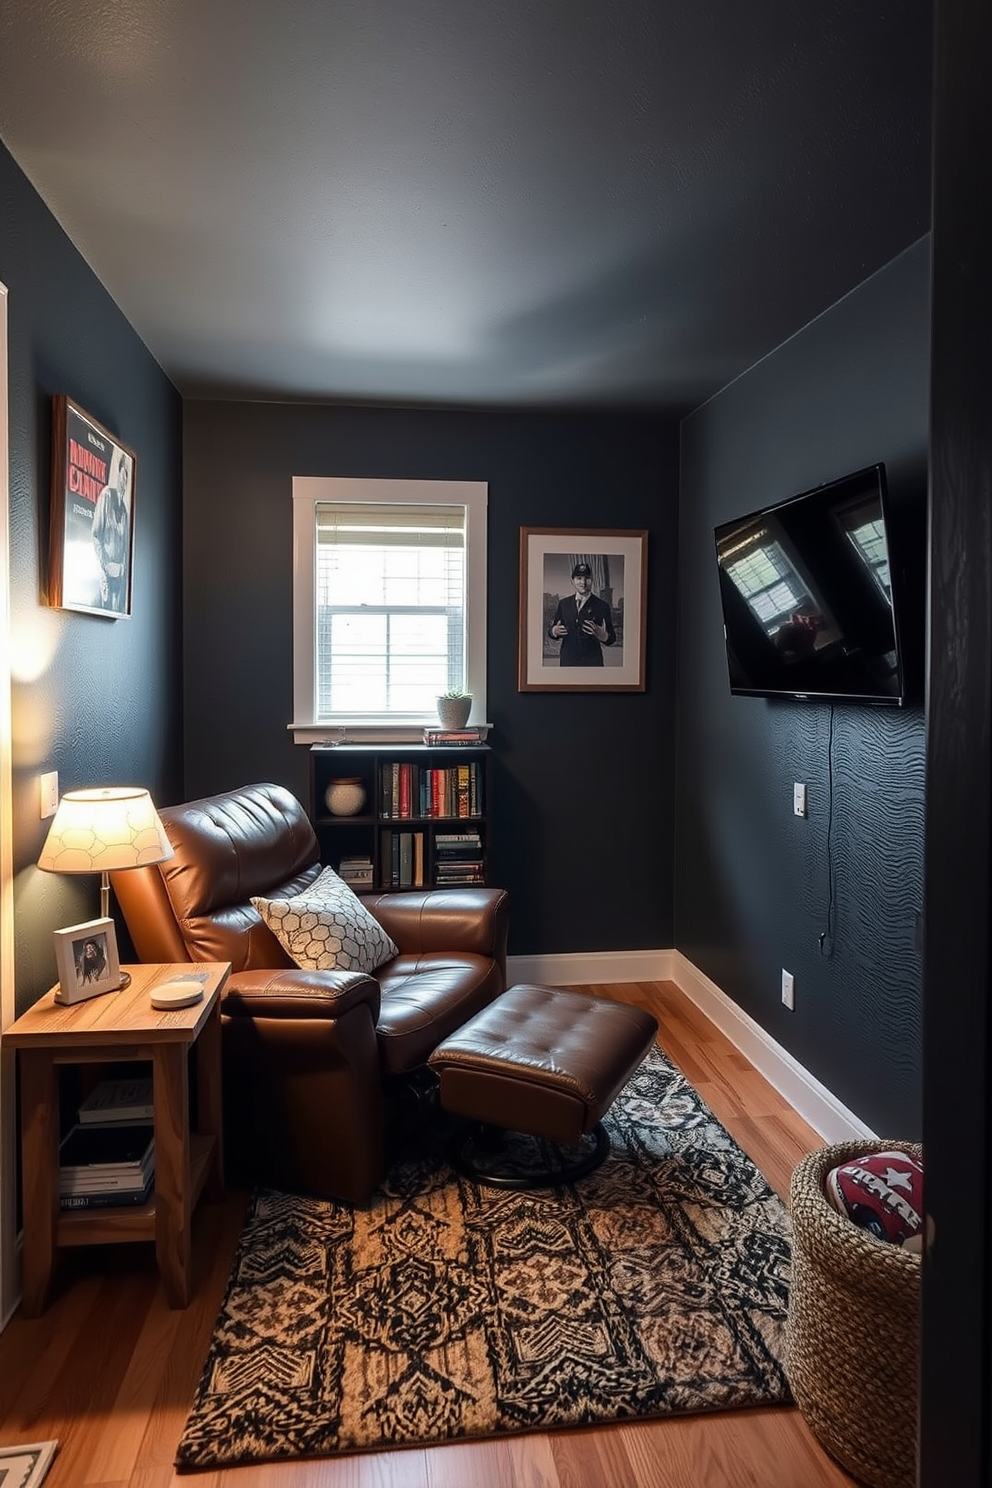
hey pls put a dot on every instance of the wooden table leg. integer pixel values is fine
(173, 1249)
(209, 1112)
(40, 1176)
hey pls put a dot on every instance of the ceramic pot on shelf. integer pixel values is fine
(453, 711)
(345, 797)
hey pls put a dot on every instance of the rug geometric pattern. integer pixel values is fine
(656, 1285)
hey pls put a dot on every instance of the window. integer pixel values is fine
(389, 603)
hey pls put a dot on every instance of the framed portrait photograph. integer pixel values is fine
(583, 613)
(91, 541)
(87, 960)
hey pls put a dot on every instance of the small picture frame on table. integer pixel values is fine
(26, 1466)
(87, 961)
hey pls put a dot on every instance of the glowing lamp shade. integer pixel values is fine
(103, 830)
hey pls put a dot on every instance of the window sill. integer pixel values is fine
(359, 733)
(366, 733)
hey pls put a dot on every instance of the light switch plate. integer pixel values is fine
(788, 990)
(48, 788)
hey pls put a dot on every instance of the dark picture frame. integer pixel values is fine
(558, 650)
(91, 538)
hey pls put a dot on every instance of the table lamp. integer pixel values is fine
(101, 831)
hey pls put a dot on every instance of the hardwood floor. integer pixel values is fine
(110, 1371)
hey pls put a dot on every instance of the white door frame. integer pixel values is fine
(9, 1287)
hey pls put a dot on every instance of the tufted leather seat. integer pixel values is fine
(308, 1054)
(543, 1060)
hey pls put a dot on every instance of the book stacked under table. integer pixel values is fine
(108, 1158)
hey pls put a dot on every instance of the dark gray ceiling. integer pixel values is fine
(472, 201)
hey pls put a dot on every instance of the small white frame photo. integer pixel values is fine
(87, 961)
(25, 1467)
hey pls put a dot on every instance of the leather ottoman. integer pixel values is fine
(542, 1061)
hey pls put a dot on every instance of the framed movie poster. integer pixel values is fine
(583, 612)
(91, 544)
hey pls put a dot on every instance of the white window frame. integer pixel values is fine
(308, 491)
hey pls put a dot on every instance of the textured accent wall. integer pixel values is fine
(95, 699)
(583, 812)
(754, 884)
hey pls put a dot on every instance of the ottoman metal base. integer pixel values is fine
(485, 1154)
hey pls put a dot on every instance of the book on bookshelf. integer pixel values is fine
(118, 1101)
(465, 841)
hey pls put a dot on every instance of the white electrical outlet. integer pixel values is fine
(48, 793)
(799, 800)
(788, 990)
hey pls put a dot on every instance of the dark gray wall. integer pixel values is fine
(98, 700)
(583, 783)
(752, 882)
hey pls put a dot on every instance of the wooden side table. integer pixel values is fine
(123, 1026)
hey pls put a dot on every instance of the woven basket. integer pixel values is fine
(852, 1338)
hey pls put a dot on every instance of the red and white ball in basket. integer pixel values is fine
(882, 1193)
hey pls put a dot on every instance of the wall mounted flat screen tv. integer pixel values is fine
(810, 609)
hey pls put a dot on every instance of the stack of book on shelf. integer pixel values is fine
(447, 737)
(108, 1157)
(403, 860)
(356, 871)
(458, 858)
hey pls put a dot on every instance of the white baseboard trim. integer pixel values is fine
(828, 1116)
(581, 968)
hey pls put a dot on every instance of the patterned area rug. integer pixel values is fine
(658, 1284)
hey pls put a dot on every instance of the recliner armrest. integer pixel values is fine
(291, 993)
(466, 919)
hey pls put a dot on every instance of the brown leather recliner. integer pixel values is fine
(308, 1055)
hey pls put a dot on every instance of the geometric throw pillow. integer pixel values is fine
(326, 927)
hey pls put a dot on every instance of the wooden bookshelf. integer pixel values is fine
(424, 821)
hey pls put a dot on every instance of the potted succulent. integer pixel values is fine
(453, 708)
